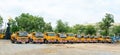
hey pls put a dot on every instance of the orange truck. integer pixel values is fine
(36, 37)
(19, 37)
(50, 37)
(71, 38)
(61, 38)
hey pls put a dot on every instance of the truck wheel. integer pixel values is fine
(18, 42)
(12, 41)
(45, 41)
(26, 42)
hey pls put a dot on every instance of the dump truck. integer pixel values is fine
(71, 38)
(61, 38)
(36, 37)
(19, 37)
(50, 37)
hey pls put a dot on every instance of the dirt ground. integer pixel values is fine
(7, 48)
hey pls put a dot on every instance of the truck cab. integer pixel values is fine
(62, 38)
(19, 37)
(50, 37)
(71, 38)
(36, 37)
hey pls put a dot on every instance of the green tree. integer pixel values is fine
(116, 30)
(1, 21)
(78, 28)
(48, 27)
(30, 23)
(13, 26)
(62, 27)
(89, 29)
(106, 23)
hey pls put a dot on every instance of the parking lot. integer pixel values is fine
(7, 48)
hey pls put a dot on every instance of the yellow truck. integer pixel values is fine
(101, 39)
(2, 34)
(36, 37)
(50, 37)
(19, 37)
(71, 38)
(61, 38)
(108, 39)
(94, 39)
(78, 38)
(89, 39)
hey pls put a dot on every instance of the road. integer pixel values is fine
(7, 48)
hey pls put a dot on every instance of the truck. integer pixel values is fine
(36, 37)
(20, 37)
(101, 39)
(50, 37)
(71, 38)
(61, 38)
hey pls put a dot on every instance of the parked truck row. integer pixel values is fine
(52, 37)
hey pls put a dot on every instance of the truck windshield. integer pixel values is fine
(39, 34)
(23, 34)
(71, 35)
(51, 34)
(78, 36)
(62, 36)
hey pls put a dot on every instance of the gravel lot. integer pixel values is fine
(7, 48)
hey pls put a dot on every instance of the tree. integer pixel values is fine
(62, 27)
(89, 29)
(116, 30)
(1, 21)
(78, 28)
(30, 23)
(48, 27)
(106, 23)
(13, 25)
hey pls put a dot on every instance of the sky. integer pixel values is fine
(71, 11)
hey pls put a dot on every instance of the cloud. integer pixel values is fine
(71, 11)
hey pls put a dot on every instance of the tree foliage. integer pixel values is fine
(106, 23)
(48, 27)
(1, 21)
(89, 29)
(78, 28)
(116, 30)
(62, 27)
(30, 23)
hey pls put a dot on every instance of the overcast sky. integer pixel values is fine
(71, 11)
